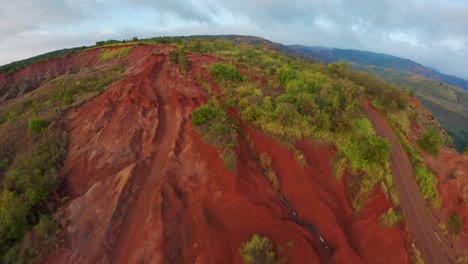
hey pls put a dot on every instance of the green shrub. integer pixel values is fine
(455, 224)
(366, 157)
(215, 126)
(217, 129)
(37, 125)
(218, 134)
(174, 56)
(390, 218)
(222, 72)
(430, 141)
(443, 228)
(206, 113)
(377, 149)
(258, 249)
(417, 256)
(424, 177)
(285, 75)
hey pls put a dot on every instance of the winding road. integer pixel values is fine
(412, 203)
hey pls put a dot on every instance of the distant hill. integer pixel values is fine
(378, 59)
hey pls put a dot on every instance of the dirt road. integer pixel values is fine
(418, 218)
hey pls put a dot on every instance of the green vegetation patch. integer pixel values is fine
(430, 141)
(14, 111)
(37, 125)
(219, 130)
(222, 72)
(115, 53)
(10, 115)
(68, 88)
(390, 218)
(259, 249)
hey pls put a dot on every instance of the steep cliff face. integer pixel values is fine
(143, 187)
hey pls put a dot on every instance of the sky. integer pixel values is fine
(431, 32)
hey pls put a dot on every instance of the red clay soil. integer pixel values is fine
(144, 188)
(322, 201)
(419, 220)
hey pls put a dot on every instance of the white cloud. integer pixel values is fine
(430, 32)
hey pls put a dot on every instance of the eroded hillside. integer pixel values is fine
(146, 180)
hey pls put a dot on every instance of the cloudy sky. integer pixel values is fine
(431, 32)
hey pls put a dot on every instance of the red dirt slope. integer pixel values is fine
(144, 188)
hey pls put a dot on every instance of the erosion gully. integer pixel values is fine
(312, 229)
(293, 213)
